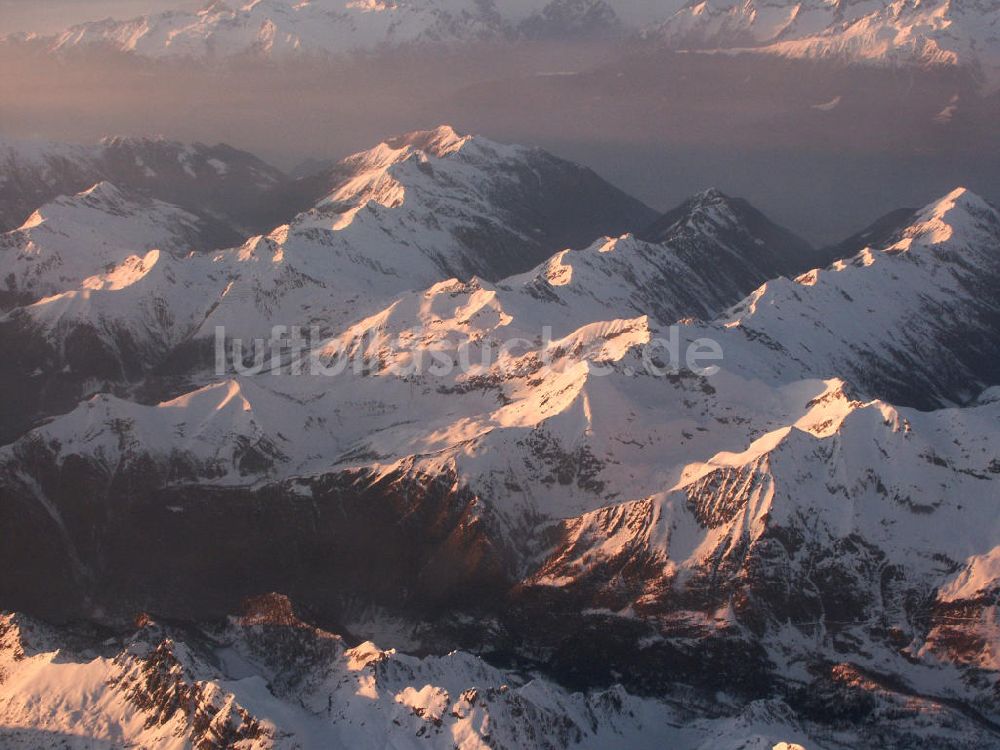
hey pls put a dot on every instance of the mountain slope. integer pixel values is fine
(95, 287)
(839, 541)
(404, 215)
(412, 211)
(381, 230)
(795, 544)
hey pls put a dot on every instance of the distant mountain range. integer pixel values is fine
(909, 32)
(797, 545)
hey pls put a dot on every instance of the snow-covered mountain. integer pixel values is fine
(732, 243)
(528, 467)
(472, 206)
(912, 319)
(408, 213)
(936, 275)
(527, 444)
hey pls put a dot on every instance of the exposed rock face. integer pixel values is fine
(143, 538)
(253, 682)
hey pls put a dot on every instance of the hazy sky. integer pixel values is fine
(53, 15)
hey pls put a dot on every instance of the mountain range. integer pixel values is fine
(915, 32)
(521, 476)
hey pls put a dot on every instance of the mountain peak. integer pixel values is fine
(439, 141)
(104, 237)
(269, 609)
(103, 191)
(727, 238)
(925, 33)
(714, 207)
(709, 195)
(713, 211)
(962, 199)
(959, 214)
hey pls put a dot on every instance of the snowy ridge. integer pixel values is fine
(473, 206)
(691, 263)
(911, 32)
(511, 405)
(870, 471)
(547, 389)
(925, 335)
